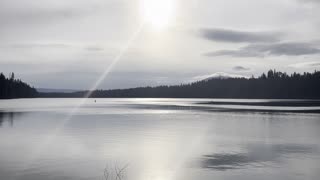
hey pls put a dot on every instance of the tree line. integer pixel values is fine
(273, 84)
(15, 88)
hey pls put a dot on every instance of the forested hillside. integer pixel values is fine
(15, 88)
(273, 85)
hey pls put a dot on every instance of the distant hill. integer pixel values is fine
(47, 90)
(273, 85)
(221, 75)
(15, 88)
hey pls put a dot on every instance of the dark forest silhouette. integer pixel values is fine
(273, 85)
(15, 88)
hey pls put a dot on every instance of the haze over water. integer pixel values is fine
(157, 139)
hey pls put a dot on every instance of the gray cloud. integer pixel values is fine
(240, 68)
(16, 12)
(38, 15)
(309, 1)
(234, 53)
(50, 45)
(276, 49)
(305, 65)
(37, 45)
(94, 48)
(233, 36)
(290, 49)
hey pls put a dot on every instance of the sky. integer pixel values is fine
(129, 43)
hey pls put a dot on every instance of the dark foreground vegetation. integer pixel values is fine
(273, 85)
(15, 88)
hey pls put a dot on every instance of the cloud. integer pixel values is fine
(233, 36)
(305, 65)
(234, 53)
(310, 1)
(94, 48)
(29, 13)
(51, 45)
(240, 68)
(290, 49)
(36, 16)
(275, 49)
(37, 45)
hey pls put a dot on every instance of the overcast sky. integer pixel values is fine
(69, 44)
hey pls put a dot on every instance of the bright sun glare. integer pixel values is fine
(157, 13)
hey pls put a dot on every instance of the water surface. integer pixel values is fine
(157, 139)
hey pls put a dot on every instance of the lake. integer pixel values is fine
(157, 139)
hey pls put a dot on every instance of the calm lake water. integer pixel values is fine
(156, 139)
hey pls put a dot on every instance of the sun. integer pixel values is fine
(157, 13)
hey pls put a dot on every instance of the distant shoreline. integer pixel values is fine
(273, 85)
(43, 96)
(294, 103)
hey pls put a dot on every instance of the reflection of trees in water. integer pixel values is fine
(8, 117)
(256, 155)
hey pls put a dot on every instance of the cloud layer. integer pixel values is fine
(240, 68)
(310, 1)
(312, 64)
(234, 36)
(273, 49)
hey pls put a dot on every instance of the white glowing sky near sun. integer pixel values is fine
(157, 13)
